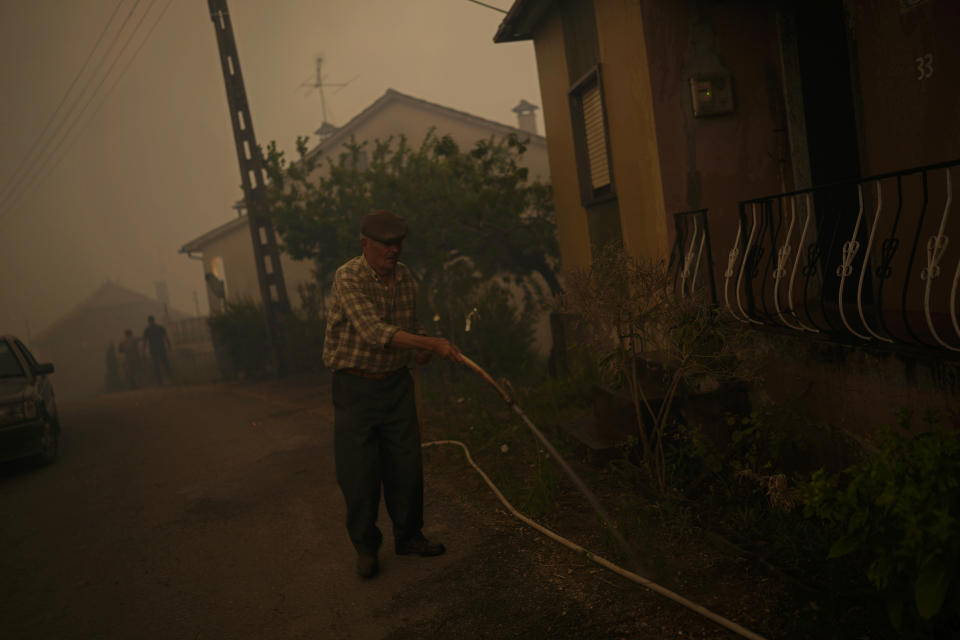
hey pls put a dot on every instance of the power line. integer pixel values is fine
(488, 6)
(63, 100)
(53, 155)
(117, 79)
(36, 170)
(130, 60)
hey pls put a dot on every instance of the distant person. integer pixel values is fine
(155, 338)
(130, 348)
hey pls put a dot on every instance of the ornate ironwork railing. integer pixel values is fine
(859, 260)
(691, 260)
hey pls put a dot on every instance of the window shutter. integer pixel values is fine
(590, 139)
(596, 136)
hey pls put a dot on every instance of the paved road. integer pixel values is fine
(193, 512)
(213, 512)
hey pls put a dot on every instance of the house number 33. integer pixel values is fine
(924, 66)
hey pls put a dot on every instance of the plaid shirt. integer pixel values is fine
(364, 314)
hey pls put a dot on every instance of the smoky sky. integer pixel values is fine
(135, 165)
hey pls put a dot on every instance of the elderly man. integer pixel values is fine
(372, 332)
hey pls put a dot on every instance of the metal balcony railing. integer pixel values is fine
(691, 260)
(860, 261)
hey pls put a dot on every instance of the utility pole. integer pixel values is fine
(273, 290)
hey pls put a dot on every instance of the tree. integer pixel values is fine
(474, 215)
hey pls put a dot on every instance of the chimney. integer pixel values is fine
(526, 118)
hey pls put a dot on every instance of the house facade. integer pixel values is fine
(226, 252)
(796, 159)
(229, 269)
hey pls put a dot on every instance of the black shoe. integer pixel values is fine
(367, 564)
(418, 545)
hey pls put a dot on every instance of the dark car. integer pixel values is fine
(29, 426)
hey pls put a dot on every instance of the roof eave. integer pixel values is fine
(522, 20)
(197, 244)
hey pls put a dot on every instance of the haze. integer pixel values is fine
(152, 164)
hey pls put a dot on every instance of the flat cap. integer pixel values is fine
(384, 226)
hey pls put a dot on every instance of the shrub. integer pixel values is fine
(501, 334)
(240, 338)
(491, 323)
(304, 332)
(629, 315)
(898, 513)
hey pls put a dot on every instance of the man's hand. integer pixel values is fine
(427, 346)
(446, 349)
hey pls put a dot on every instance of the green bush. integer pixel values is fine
(501, 335)
(240, 338)
(240, 335)
(304, 331)
(488, 323)
(898, 513)
(629, 316)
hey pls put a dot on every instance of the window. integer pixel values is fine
(26, 354)
(9, 363)
(216, 284)
(591, 139)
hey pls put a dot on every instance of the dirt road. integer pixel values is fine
(213, 512)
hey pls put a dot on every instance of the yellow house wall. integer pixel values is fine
(633, 137)
(664, 160)
(630, 117)
(572, 231)
(236, 250)
(240, 275)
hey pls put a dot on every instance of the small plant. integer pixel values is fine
(631, 317)
(899, 512)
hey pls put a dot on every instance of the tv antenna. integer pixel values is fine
(320, 84)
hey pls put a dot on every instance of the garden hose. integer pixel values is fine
(591, 498)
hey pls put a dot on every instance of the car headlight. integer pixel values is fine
(12, 413)
(18, 412)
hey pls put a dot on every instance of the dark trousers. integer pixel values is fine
(377, 442)
(161, 365)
